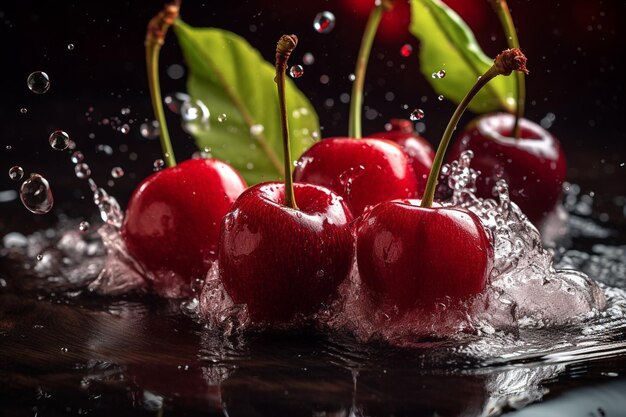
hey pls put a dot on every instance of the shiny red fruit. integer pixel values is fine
(533, 166)
(285, 262)
(421, 154)
(363, 171)
(409, 256)
(173, 219)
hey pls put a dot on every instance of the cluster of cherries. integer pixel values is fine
(284, 249)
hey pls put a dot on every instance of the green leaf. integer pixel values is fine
(232, 78)
(449, 44)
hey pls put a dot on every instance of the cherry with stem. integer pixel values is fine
(356, 101)
(504, 14)
(155, 37)
(506, 62)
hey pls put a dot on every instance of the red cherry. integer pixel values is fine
(533, 165)
(421, 154)
(364, 171)
(173, 218)
(284, 262)
(411, 256)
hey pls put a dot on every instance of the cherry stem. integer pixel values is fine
(508, 61)
(504, 14)
(285, 46)
(356, 100)
(155, 37)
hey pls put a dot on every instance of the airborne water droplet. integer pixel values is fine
(324, 22)
(440, 98)
(23, 110)
(117, 172)
(158, 164)
(439, 74)
(82, 171)
(70, 47)
(417, 114)
(195, 115)
(308, 59)
(256, 130)
(406, 50)
(16, 173)
(59, 140)
(221, 117)
(175, 101)
(36, 194)
(149, 130)
(296, 71)
(125, 129)
(38, 82)
(77, 157)
(84, 226)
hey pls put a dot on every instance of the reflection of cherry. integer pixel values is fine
(533, 165)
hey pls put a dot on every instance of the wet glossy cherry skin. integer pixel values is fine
(421, 153)
(283, 262)
(173, 219)
(534, 165)
(412, 257)
(363, 171)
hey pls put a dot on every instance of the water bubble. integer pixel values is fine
(296, 71)
(105, 149)
(82, 171)
(439, 74)
(77, 157)
(125, 111)
(175, 101)
(158, 165)
(39, 256)
(324, 22)
(16, 173)
(70, 46)
(38, 82)
(308, 59)
(23, 110)
(59, 140)
(84, 226)
(195, 115)
(36, 194)
(257, 129)
(221, 117)
(149, 130)
(417, 114)
(117, 172)
(125, 129)
(406, 50)
(440, 97)
(352, 77)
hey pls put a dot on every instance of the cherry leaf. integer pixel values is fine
(233, 80)
(448, 44)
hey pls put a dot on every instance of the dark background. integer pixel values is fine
(575, 51)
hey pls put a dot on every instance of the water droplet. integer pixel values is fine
(158, 164)
(417, 114)
(149, 130)
(77, 157)
(105, 149)
(308, 59)
(16, 173)
(221, 117)
(59, 140)
(125, 129)
(70, 46)
(440, 97)
(439, 74)
(82, 171)
(296, 71)
(84, 226)
(117, 172)
(324, 22)
(256, 130)
(39, 256)
(23, 110)
(175, 101)
(125, 111)
(352, 77)
(38, 82)
(36, 194)
(195, 115)
(406, 50)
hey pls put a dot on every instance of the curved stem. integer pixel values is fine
(504, 14)
(152, 61)
(431, 184)
(356, 99)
